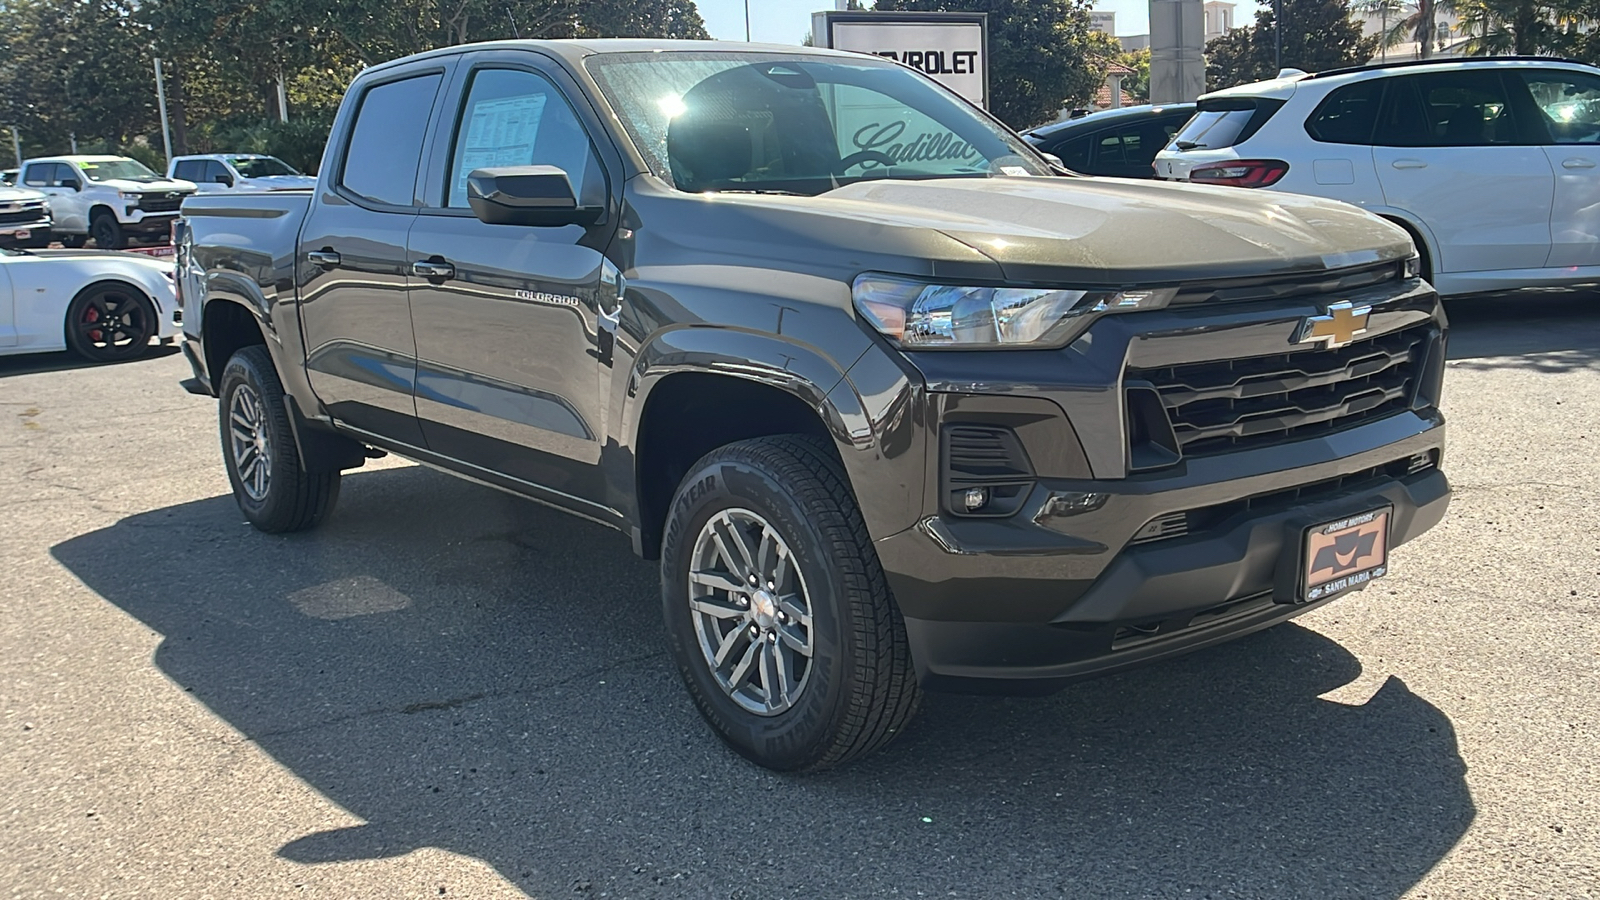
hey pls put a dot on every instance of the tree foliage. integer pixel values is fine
(84, 68)
(1317, 35)
(1042, 54)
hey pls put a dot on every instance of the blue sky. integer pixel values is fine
(787, 21)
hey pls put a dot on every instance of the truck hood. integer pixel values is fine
(18, 195)
(151, 186)
(1117, 231)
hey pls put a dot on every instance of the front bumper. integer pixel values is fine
(11, 232)
(995, 609)
(143, 222)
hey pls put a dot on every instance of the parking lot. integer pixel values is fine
(447, 691)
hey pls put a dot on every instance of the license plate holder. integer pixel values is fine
(1343, 555)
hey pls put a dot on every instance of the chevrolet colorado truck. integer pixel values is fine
(897, 405)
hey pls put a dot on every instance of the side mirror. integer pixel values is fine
(70, 183)
(226, 180)
(526, 195)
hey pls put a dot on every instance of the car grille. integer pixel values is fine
(1281, 287)
(159, 203)
(1230, 405)
(22, 216)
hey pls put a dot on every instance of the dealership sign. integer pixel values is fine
(952, 48)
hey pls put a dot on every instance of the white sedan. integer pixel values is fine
(103, 306)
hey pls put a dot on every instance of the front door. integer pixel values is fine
(8, 308)
(361, 356)
(1566, 105)
(1455, 154)
(509, 337)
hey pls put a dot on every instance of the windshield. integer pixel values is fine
(121, 169)
(260, 166)
(793, 123)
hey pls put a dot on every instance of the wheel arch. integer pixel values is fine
(687, 382)
(1421, 235)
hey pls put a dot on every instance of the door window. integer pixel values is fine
(189, 170)
(217, 173)
(517, 118)
(1074, 153)
(1449, 109)
(40, 175)
(380, 163)
(1347, 115)
(1568, 103)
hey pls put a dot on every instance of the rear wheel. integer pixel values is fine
(107, 232)
(777, 610)
(110, 322)
(73, 241)
(270, 483)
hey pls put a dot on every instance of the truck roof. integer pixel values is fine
(80, 158)
(575, 50)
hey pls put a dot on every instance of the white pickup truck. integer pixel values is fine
(238, 172)
(108, 198)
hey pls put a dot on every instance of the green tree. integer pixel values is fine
(1137, 85)
(1042, 55)
(1317, 35)
(1524, 27)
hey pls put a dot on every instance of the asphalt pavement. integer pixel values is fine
(449, 692)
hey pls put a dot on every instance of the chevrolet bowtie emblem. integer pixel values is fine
(1343, 324)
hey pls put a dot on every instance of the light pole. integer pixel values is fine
(161, 99)
(747, 21)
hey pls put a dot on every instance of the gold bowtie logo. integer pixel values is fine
(1341, 326)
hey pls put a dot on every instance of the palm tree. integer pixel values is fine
(1411, 22)
(1520, 27)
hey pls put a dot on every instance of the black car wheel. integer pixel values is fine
(779, 616)
(107, 232)
(270, 484)
(110, 322)
(73, 241)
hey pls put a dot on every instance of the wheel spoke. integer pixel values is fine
(744, 562)
(780, 572)
(780, 667)
(766, 553)
(790, 604)
(741, 672)
(719, 581)
(261, 475)
(247, 469)
(797, 640)
(770, 683)
(717, 609)
(733, 639)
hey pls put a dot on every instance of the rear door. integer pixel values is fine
(511, 321)
(1129, 150)
(1565, 105)
(62, 185)
(1453, 151)
(361, 355)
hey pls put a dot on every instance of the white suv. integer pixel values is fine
(1492, 165)
(107, 198)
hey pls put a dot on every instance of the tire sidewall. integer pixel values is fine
(108, 223)
(796, 737)
(244, 369)
(147, 309)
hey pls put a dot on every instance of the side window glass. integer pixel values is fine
(517, 118)
(40, 175)
(184, 169)
(1347, 115)
(1075, 153)
(216, 170)
(1568, 103)
(380, 164)
(1108, 150)
(1457, 109)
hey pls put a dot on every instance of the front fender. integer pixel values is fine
(875, 435)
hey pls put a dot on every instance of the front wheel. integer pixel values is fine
(107, 232)
(74, 241)
(777, 609)
(270, 484)
(110, 322)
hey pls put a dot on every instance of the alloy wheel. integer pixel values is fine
(249, 442)
(751, 612)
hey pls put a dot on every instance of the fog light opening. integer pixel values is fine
(975, 499)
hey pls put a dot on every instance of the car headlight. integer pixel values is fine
(129, 195)
(1413, 267)
(922, 316)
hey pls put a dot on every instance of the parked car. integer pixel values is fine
(238, 172)
(9, 176)
(111, 199)
(895, 407)
(1121, 143)
(24, 218)
(102, 306)
(1492, 165)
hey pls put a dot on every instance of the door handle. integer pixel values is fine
(1409, 164)
(325, 258)
(1577, 162)
(433, 268)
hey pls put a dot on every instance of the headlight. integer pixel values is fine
(129, 195)
(920, 316)
(1413, 267)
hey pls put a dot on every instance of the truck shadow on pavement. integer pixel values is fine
(1540, 331)
(464, 670)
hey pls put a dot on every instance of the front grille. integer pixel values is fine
(22, 217)
(158, 203)
(1282, 287)
(1229, 405)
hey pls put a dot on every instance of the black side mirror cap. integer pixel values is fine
(526, 195)
(224, 179)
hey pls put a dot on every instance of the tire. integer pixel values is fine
(107, 232)
(73, 241)
(277, 494)
(38, 240)
(110, 321)
(858, 689)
